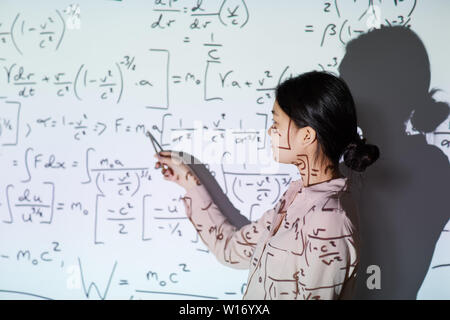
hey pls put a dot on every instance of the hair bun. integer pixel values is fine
(358, 155)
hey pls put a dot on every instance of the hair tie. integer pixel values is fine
(361, 141)
(356, 143)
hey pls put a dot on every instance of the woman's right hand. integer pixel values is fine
(175, 170)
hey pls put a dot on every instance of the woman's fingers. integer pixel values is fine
(164, 158)
(170, 158)
(166, 171)
(161, 164)
(174, 156)
(165, 153)
(171, 165)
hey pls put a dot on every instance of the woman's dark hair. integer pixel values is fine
(323, 101)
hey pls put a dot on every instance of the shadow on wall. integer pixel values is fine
(403, 196)
(222, 201)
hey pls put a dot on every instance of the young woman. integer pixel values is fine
(307, 246)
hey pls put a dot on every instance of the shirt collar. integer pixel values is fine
(338, 184)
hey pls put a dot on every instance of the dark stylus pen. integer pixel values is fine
(157, 147)
(155, 143)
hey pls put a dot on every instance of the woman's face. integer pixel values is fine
(289, 144)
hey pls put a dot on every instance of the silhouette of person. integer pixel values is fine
(403, 198)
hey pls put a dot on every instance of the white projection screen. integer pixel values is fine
(83, 212)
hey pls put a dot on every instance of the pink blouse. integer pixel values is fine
(306, 247)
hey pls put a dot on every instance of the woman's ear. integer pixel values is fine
(308, 135)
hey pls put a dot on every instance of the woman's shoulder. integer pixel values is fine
(334, 206)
